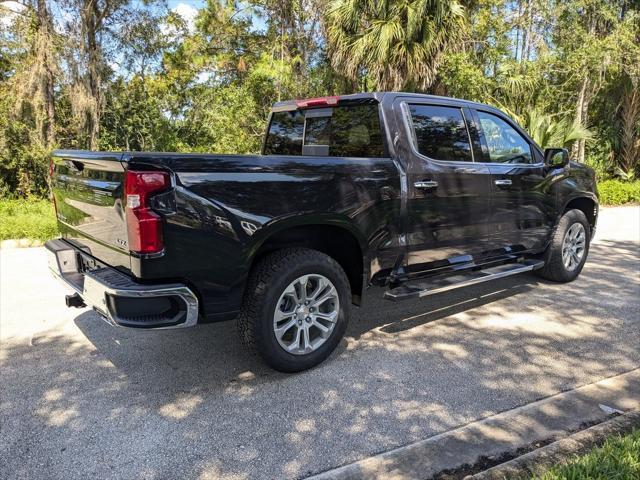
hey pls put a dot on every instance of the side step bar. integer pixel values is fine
(442, 283)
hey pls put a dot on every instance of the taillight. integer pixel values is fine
(144, 226)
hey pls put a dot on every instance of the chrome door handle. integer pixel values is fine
(502, 183)
(427, 184)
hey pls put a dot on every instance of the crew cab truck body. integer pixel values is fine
(413, 192)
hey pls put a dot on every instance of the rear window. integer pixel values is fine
(350, 131)
(440, 132)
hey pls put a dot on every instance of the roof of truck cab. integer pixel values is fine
(377, 96)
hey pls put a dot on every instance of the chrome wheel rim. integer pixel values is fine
(306, 314)
(573, 246)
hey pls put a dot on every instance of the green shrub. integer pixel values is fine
(616, 192)
(601, 164)
(33, 219)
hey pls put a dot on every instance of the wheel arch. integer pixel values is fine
(587, 204)
(336, 237)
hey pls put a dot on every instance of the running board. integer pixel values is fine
(442, 283)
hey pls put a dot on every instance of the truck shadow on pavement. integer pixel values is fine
(193, 403)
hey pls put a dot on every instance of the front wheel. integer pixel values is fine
(296, 308)
(567, 253)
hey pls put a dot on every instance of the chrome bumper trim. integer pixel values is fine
(63, 263)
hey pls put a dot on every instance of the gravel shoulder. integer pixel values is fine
(80, 398)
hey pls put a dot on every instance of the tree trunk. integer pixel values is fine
(582, 105)
(518, 29)
(94, 76)
(629, 157)
(91, 17)
(526, 35)
(45, 32)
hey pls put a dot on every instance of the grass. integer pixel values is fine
(32, 219)
(617, 459)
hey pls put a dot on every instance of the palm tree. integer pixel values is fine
(547, 130)
(628, 156)
(397, 43)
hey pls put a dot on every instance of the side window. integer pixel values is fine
(504, 142)
(317, 132)
(440, 132)
(348, 131)
(285, 134)
(356, 132)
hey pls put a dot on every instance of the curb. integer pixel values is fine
(542, 459)
(500, 435)
(21, 243)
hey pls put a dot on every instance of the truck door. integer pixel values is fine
(523, 209)
(449, 195)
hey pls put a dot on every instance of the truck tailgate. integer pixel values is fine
(88, 189)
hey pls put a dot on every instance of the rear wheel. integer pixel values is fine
(567, 253)
(296, 308)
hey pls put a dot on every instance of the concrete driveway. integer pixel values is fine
(82, 399)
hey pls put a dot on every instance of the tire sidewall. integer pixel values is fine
(570, 218)
(267, 343)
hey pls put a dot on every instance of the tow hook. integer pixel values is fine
(74, 300)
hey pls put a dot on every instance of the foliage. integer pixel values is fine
(618, 458)
(133, 118)
(547, 130)
(23, 158)
(128, 75)
(208, 127)
(616, 192)
(27, 218)
(398, 44)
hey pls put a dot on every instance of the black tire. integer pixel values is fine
(267, 282)
(554, 268)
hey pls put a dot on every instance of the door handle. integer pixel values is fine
(426, 184)
(503, 183)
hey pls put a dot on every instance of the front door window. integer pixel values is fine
(505, 144)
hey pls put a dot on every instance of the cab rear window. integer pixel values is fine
(346, 131)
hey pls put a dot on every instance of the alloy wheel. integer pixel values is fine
(573, 246)
(306, 314)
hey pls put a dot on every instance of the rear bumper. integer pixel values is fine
(119, 299)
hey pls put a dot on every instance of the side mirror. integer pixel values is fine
(556, 157)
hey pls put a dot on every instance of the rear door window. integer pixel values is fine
(440, 132)
(345, 131)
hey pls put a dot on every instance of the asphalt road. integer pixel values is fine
(82, 399)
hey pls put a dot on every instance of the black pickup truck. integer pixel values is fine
(416, 193)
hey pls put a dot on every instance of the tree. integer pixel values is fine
(589, 35)
(29, 62)
(34, 79)
(87, 32)
(548, 130)
(123, 74)
(293, 35)
(398, 44)
(629, 152)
